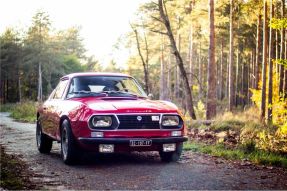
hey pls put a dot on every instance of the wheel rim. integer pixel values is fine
(64, 143)
(38, 135)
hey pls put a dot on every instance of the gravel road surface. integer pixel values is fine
(133, 171)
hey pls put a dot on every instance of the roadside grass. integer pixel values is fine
(25, 111)
(14, 175)
(256, 156)
(236, 121)
(6, 107)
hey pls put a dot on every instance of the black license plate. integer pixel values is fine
(140, 143)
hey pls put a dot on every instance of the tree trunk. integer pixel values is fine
(249, 79)
(221, 72)
(7, 91)
(165, 19)
(211, 75)
(231, 75)
(264, 62)
(281, 67)
(144, 62)
(285, 72)
(190, 57)
(168, 76)
(19, 87)
(237, 101)
(270, 68)
(252, 71)
(176, 84)
(227, 80)
(258, 47)
(277, 52)
(40, 86)
(241, 91)
(178, 79)
(162, 81)
(244, 84)
(147, 64)
(200, 68)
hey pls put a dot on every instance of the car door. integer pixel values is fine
(53, 109)
(45, 115)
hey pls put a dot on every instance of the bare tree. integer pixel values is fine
(166, 22)
(144, 60)
(211, 75)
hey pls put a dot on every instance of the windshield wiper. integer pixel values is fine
(121, 93)
(82, 93)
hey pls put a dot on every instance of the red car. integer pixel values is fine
(106, 113)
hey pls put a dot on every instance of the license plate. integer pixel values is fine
(140, 143)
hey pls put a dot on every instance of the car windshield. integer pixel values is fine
(113, 86)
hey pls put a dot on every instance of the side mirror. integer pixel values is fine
(150, 96)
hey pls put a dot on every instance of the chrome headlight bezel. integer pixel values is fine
(169, 121)
(102, 122)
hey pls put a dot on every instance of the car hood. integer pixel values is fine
(131, 105)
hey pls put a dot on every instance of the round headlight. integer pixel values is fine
(102, 121)
(170, 120)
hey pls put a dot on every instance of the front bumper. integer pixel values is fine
(162, 140)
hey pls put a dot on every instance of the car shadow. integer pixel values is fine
(118, 159)
(121, 158)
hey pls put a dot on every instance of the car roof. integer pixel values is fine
(69, 76)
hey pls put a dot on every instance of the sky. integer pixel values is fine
(102, 22)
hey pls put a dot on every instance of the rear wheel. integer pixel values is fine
(171, 156)
(44, 143)
(68, 145)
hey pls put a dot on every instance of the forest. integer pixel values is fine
(208, 57)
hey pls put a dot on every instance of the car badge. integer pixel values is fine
(139, 118)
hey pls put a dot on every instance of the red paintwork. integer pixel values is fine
(78, 111)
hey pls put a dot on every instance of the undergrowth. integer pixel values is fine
(256, 141)
(25, 111)
(256, 156)
(236, 121)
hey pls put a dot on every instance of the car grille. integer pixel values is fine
(132, 122)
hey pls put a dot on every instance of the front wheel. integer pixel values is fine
(44, 143)
(68, 145)
(171, 156)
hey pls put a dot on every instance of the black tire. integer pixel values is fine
(171, 156)
(69, 149)
(44, 143)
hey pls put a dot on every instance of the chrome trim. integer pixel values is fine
(103, 114)
(123, 130)
(161, 126)
(169, 114)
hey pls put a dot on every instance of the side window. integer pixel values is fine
(60, 89)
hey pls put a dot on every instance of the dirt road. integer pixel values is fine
(133, 171)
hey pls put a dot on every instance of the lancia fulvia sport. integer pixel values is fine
(107, 113)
